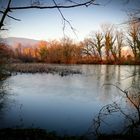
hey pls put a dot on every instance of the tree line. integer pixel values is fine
(102, 47)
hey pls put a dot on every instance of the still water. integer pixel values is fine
(66, 105)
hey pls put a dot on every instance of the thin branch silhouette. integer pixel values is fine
(38, 5)
(65, 21)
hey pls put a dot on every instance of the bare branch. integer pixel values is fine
(72, 1)
(5, 14)
(116, 87)
(37, 5)
(88, 3)
(1, 12)
(13, 18)
(64, 20)
(3, 29)
(127, 96)
(10, 16)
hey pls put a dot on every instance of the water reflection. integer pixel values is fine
(66, 104)
(3, 98)
(127, 108)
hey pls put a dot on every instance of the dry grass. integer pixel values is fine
(42, 68)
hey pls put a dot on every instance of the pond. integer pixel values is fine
(66, 105)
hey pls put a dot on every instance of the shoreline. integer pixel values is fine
(42, 134)
(60, 69)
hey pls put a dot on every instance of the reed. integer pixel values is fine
(42, 68)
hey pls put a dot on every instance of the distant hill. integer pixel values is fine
(12, 41)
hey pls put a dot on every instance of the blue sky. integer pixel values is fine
(47, 24)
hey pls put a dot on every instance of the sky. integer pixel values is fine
(47, 24)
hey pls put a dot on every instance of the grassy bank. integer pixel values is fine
(41, 134)
(42, 68)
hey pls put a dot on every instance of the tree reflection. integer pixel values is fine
(127, 109)
(3, 96)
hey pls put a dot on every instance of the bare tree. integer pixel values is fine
(134, 38)
(97, 42)
(67, 50)
(120, 43)
(109, 41)
(89, 48)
